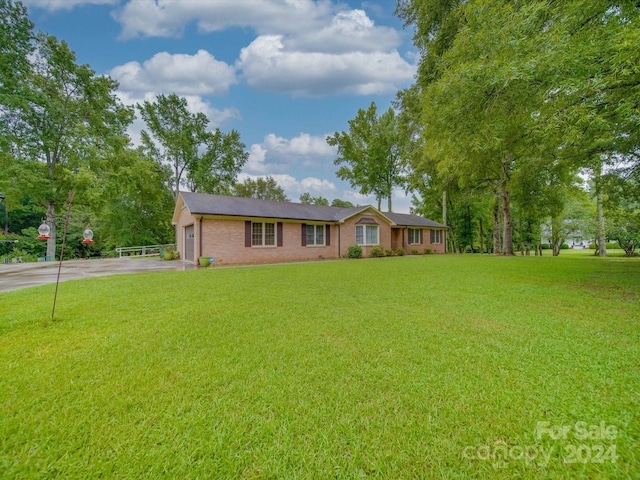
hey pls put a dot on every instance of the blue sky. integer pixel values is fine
(284, 73)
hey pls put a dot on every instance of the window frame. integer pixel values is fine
(416, 233)
(436, 237)
(264, 235)
(364, 236)
(316, 228)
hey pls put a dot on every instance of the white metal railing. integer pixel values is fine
(143, 250)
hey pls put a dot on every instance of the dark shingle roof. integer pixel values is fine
(406, 220)
(208, 204)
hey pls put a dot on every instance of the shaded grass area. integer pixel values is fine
(405, 367)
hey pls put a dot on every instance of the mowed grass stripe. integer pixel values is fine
(383, 368)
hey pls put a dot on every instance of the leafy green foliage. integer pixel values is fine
(354, 251)
(307, 199)
(265, 188)
(623, 211)
(63, 127)
(16, 36)
(514, 98)
(377, 251)
(208, 162)
(336, 202)
(370, 155)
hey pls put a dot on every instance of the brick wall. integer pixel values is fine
(224, 239)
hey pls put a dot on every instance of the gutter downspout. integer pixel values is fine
(200, 237)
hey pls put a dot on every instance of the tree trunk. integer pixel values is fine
(444, 215)
(601, 240)
(507, 233)
(507, 245)
(51, 221)
(496, 222)
(481, 236)
(557, 237)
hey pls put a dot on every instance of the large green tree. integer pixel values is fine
(370, 155)
(217, 168)
(16, 44)
(203, 160)
(66, 122)
(307, 199)
(133, 204)
(510, 90)
(265, 188)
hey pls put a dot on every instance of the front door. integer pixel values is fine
(189, 243)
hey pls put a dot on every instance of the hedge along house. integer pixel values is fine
(237, 230)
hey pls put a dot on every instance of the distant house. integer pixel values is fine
(237, 230)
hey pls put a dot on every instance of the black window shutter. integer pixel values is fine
(247, 233)
(421, 238)
(328, 236)
(279, 234)
(304, 234)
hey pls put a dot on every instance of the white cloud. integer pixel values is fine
(304, 48)
(167, 18)
(267, 65)
(189, 76)
(256, 162)
(348, 31)
(52, 5)
(277, 154)
(199, 74)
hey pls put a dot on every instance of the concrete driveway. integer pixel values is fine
(21, 275)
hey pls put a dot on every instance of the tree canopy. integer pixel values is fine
(370, 154)
(265, 188)
(205, 161)
(512, 96)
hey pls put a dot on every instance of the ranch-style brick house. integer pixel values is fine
(236, 230)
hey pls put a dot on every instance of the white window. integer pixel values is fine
(414, 236)
(367, 235)
(436, 236)
(315, 235)
(263, 234)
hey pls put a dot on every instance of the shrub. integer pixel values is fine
(168, 253)
(564, 246)
(23, 255)
(610, 245)
(545, 246)
(388, 252)
(427, 251)
(377, 251)
(354, 251)
(400, 251)
(414, 251)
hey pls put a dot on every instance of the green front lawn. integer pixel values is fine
(407, 367)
